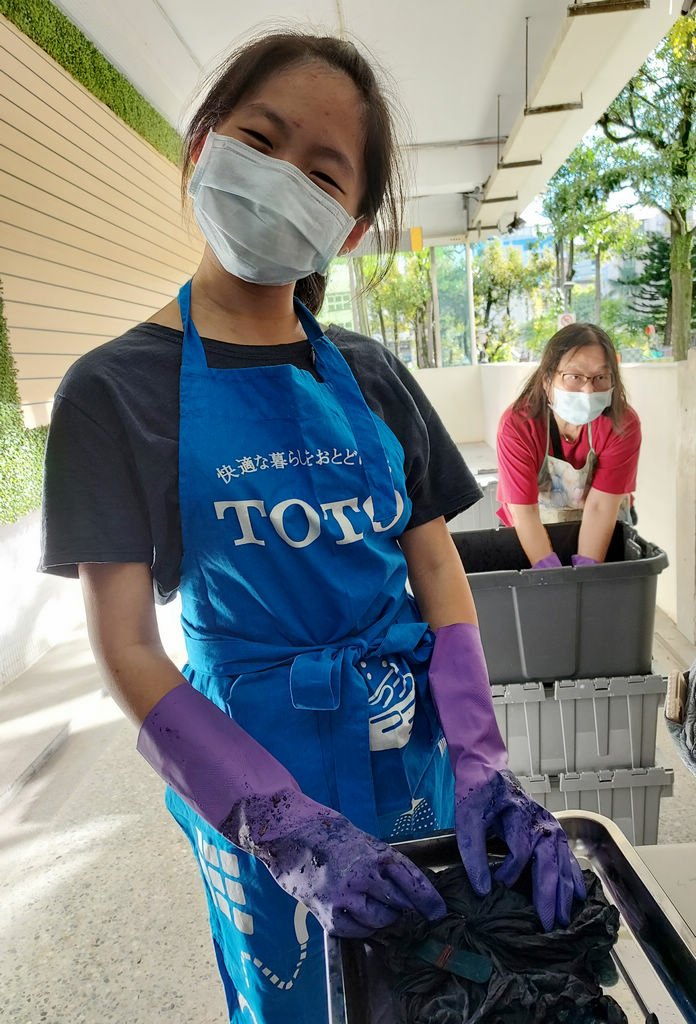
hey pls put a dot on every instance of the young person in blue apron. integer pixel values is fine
(288, 489)
(568, 448)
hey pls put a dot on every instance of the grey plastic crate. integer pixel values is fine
(567, 623)
(482, 515)
(579, 724)
(629, 796)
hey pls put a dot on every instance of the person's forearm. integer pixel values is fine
(124, 637)
(138, 677)
(437, 576)
(598, 523)
(531, 532)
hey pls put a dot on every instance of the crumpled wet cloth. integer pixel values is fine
(684, 734)
(535, 976)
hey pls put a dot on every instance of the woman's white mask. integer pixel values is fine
(264, 219)
(580, 407)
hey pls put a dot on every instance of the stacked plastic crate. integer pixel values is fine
(569, 654)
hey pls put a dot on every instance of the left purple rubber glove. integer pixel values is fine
(583, 560)
(352, 882)
(551, 561)
(489, 800)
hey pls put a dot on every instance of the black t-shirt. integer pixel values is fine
(111, 478)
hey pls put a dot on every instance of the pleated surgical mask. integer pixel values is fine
(264, 219)
(580, 407)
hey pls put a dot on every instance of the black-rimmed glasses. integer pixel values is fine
(577, 381)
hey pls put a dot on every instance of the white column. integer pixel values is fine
(686, 499)
(437, 337)
(470, 298)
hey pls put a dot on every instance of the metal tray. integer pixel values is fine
(655, 953)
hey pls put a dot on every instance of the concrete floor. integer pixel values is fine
(103, 917)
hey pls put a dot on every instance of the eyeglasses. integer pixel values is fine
(577, 381)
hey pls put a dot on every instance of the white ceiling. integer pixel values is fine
(449, 60)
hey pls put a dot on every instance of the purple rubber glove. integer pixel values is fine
(583, 560)
(551, 561)
(489, 799)
(351, 882)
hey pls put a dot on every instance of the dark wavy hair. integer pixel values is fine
(249, 66)
(533, 403)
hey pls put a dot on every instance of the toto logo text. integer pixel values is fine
(299, 524)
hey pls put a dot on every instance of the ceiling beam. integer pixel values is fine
(553, 108)
(606, 7)
(487, 140)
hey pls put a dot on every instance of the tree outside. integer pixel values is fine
(650, 126)
(400, 309)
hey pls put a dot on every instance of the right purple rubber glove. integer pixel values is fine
(489, 799)
(551, 561)
(580, 560)
(353, 883)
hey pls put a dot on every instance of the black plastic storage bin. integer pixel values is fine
(567, 623)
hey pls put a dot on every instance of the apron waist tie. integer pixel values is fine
(316, 679)
(317, 682)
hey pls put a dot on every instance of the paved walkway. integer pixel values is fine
(103, 915)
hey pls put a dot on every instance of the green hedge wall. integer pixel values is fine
(53, 32)
(10, 412)
(21, 450)
(21, 472)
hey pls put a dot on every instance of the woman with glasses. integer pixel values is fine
(568, 448)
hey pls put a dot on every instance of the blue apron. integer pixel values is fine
(298, 625)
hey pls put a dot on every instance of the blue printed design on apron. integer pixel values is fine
(298, 625)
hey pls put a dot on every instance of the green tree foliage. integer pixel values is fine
(575, 203)
(650, 286)
(454, 305)
(501, 274)
(399, 307)
(651, 126)
(613, 233)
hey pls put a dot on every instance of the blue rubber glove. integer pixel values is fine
(551, 561)
(583, 560)
(489, 800)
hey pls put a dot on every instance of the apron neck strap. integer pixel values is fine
(333, 369)
(553, 436)
(192, 351)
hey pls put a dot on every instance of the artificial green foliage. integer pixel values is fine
(21, 471)
(21, 450)
(53, 32)
(10, 412)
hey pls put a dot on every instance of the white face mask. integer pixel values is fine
(264, 219)
(580, 407)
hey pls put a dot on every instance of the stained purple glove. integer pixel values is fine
(551, 561)
(353, 883)
(489, 799)
(583, 560)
